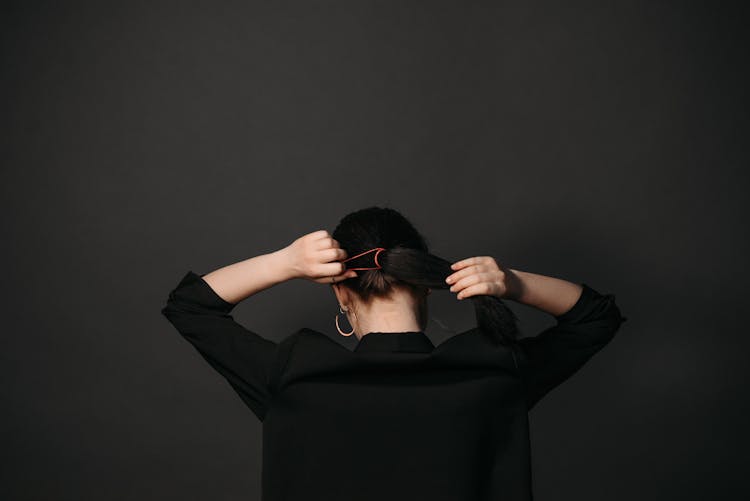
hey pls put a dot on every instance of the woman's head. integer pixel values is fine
(408, 270)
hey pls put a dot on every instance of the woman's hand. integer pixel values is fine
(316, 256)
(482, 275)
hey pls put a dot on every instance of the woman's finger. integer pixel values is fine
(330, 269)
(331, 254)
(465, 262)
(318, 235)
(326, 242)
(479, 289)
(479, 260)
(464, 272)
(468, 281)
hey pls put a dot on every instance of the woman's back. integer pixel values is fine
(395, 414)
(397, 417)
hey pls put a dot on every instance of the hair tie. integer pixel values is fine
(377, 265)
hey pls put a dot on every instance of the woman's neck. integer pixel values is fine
(394, 314)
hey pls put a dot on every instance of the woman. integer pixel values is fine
(396, 418)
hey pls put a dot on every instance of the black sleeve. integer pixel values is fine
(244, 358)
(554, 355)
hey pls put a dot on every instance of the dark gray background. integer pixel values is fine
(601, 142)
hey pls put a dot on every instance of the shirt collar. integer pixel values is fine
(409, 341)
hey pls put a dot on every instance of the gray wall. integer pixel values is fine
(602, 142)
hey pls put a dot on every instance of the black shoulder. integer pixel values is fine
(306, 333)
(306, 345)
(305, 339)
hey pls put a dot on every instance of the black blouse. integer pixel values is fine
(397, 418)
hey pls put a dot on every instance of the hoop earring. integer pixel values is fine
(339, 328)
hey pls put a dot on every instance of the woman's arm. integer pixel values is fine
(484, 275)
(586, 320)
(240, 280)
(313, 256)
(555, 354)
(245, 358)
(548, 294)
(200, 306)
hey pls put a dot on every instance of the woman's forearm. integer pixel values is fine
(237, 281)
(551, 295)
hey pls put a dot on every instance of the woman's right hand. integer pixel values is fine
(317, 257)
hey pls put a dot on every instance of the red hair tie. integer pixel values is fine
(377, 267)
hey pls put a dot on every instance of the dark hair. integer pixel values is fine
(407, 261)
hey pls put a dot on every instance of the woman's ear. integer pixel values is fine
(341, 296)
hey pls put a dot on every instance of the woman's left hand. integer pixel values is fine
(482, 275)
